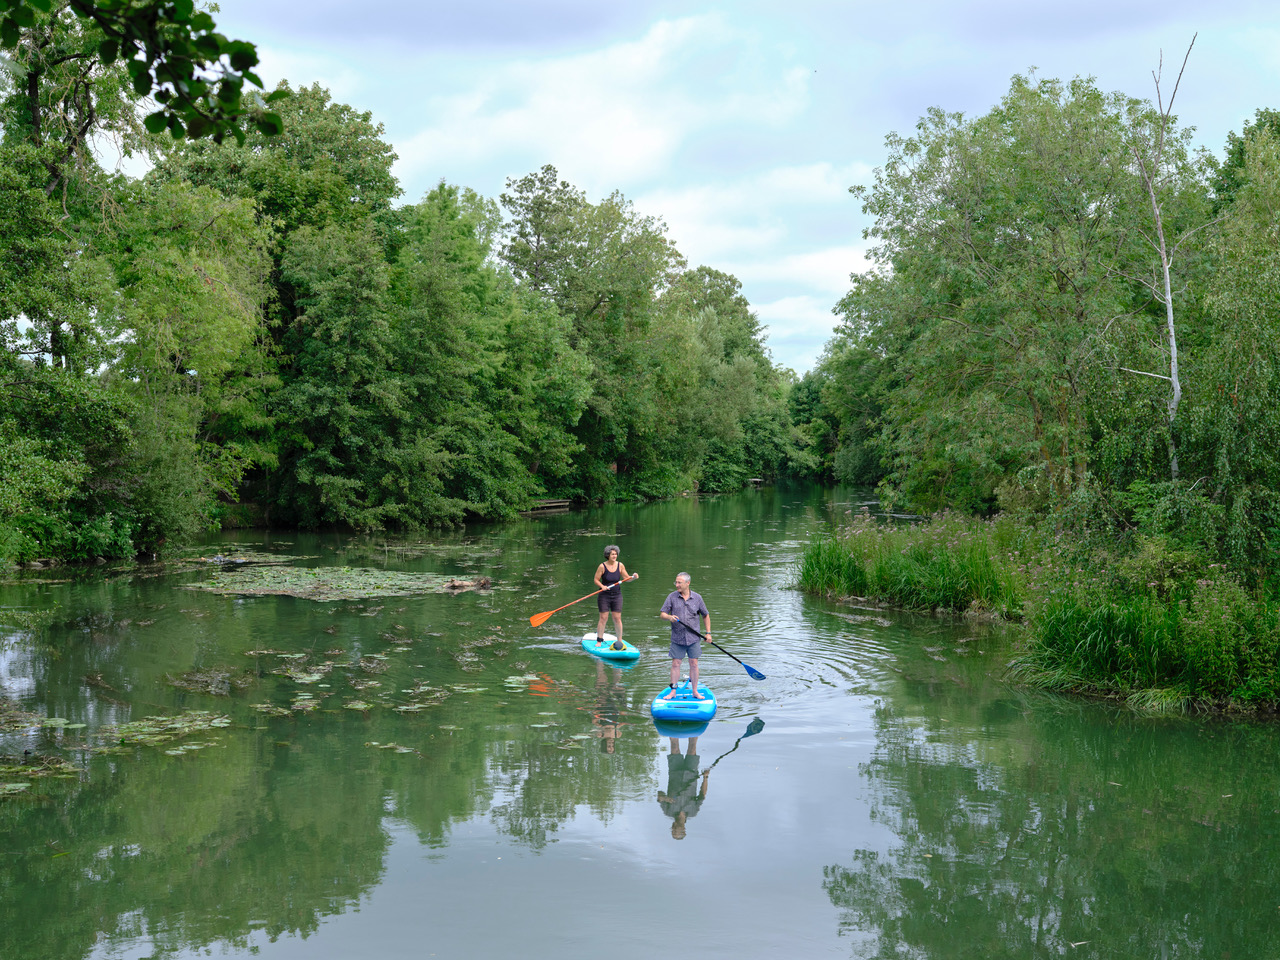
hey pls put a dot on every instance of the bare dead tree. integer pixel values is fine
(1148, 149)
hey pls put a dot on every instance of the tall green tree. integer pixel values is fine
(1007, 293)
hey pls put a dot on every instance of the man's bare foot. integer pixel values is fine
(669, 694)
(698, 696)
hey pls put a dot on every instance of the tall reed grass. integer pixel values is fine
(1150, 626)
(1212, 645)
(947, 563)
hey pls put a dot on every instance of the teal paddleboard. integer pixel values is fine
(604, 647)
(684, 706)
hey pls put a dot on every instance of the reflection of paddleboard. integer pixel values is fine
(679, 729)
(604, 647)
(683, 706)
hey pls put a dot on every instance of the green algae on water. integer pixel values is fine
(320, 583)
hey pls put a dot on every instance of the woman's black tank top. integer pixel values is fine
(610, 577)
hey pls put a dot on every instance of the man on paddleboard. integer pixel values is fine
(684, 606)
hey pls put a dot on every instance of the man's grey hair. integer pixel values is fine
(684, 576)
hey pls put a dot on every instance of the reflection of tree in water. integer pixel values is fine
(539, 778)
(1088, 835)
(193, 853)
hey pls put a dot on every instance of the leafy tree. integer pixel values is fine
(169, 50)
(331, 164)
(542, 208)
(1233, 431)
(1231, 175)
(1004, 297)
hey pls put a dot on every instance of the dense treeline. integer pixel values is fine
(266, 321)
(1013, 346)
(1073, 320)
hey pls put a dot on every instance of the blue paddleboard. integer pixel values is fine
(604, 647)
(684, 706)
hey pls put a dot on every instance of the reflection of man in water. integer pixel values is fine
(610, 706)
(683, 797)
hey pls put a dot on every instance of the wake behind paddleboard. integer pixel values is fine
(604, 647)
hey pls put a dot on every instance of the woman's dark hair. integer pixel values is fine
(609, 549)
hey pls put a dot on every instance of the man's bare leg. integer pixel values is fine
(693, 679)
(675, 679)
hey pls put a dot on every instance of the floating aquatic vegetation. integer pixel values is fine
(189, 748)
(16, 773)
(321, 583)
(468, 661)
(374, 663)
(218, 683)
(303, 703)
(357, 705)
(153, 731)
(11, 718)
(301, 671)
(466, 688)
(398, 748)
(263, 653)
(335, 652)
(269, 709)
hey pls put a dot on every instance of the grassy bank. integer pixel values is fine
(950, 563)
(1142, 621)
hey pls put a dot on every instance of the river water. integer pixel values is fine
(500, 793)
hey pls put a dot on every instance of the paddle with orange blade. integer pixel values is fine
(538, 619)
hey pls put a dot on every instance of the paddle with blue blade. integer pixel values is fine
(752, 672)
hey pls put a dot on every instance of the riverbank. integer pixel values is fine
(1157, 626)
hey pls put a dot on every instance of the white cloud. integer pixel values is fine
(301, 68)
(824, 271)
(753, 213)
(609, 116)
(799, 327)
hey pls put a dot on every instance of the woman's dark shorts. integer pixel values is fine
(611, 599)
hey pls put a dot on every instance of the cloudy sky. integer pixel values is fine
(741, 124)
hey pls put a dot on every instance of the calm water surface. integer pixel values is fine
(899, 800)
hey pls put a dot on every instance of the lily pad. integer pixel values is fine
(13, 789)
(153, 731)
(270, 709)
(217, 683)
(356, 705)
(11, 718)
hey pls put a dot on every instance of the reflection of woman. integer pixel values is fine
(683, 797)
(609, 574)
(610, 707)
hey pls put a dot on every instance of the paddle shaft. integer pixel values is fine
(538, 619)
(753, 728)
(754, 673)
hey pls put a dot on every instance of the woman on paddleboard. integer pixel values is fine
(609, 574)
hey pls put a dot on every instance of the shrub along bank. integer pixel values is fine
(1130, 614)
